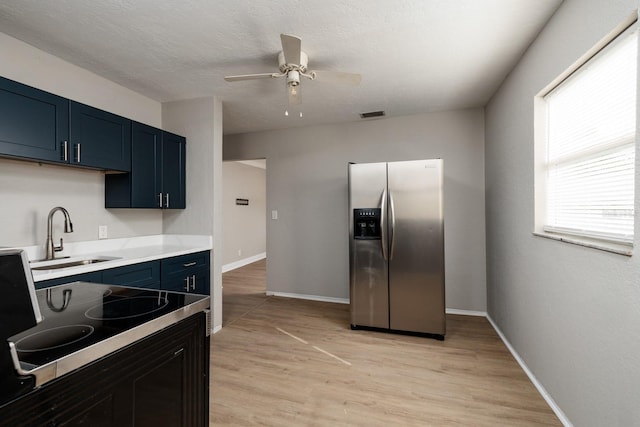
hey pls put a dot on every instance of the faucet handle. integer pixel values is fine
(59, 248)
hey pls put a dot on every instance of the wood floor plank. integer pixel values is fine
(281, 362)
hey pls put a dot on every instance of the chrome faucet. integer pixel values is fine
(50, 248)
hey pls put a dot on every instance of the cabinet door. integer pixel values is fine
(93, 277)
(172, 389)
(200, 282)
(33, 124)
(146, 166)
(143, 275)
(195, 282)
(99, 139)
(173, 170)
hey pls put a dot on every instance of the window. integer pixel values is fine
(588, 161)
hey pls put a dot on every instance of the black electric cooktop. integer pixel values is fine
(83, 321)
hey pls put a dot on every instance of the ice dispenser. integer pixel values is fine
(366, 224)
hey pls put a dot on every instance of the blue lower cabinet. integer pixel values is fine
(93, 277)
(197, 282)
(143, 275)
(187, 273)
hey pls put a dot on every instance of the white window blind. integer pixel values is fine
(591, 129)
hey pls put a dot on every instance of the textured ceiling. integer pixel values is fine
(414, 55)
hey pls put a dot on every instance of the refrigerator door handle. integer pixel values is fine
(393, 225)
(383, 224)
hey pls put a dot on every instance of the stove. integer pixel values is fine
(85, 321)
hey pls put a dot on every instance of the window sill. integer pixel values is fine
(602, 245)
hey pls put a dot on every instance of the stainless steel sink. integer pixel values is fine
(76, 263)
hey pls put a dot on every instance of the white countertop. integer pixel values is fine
(126, 251)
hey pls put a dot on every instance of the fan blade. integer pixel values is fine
(291, 47)
(339, 77)
(295, 96)
(250, 77)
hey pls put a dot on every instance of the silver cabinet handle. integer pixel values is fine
(383, 224)
(189, 264)
(166, 200)
(78, 153)
(160, 199)
(393, 225)
(193, 282)
(65, 151)
(186, 286)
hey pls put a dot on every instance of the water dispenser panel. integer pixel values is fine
(366, 224)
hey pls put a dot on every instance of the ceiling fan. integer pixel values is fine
(292, 63)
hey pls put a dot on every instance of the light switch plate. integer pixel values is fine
(274, 214)
(102, 232)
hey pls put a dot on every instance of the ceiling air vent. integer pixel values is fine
(372, 114)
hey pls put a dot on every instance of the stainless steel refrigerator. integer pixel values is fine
(396, 235)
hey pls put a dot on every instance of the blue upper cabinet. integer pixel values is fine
(37, 125)
(99, 139)
(157, 178)
(33, 124)
(173, 170)
(146, 171)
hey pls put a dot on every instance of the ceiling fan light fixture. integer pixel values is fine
(293, 78)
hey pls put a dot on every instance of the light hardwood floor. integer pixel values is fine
(288, 362)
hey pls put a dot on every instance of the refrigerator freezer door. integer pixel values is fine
(368, 283)
(416, 260)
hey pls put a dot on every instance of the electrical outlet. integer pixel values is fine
(274, 214)
(102, 232)
(239, 252)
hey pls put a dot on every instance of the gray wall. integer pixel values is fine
(245, 230)
(307, 245)
(572, 313)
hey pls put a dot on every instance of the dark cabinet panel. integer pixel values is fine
(99, 139)
(187, 273)
(33, 124)
(162, 383)
(162, 380)
(142, 275)
(157, 178)
(173, 170)
(183, 264)
(146, 170)
(93, 277)
(197, 282)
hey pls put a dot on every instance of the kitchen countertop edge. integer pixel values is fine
(127, 251)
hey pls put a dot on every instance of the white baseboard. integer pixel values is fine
(547, 397)
(309, 297)
(346, 301)
(466, 312)
(216, 329)
(243, 262)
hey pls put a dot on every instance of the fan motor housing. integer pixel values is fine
(284, 67)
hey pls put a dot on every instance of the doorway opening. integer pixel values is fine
(244, 237)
